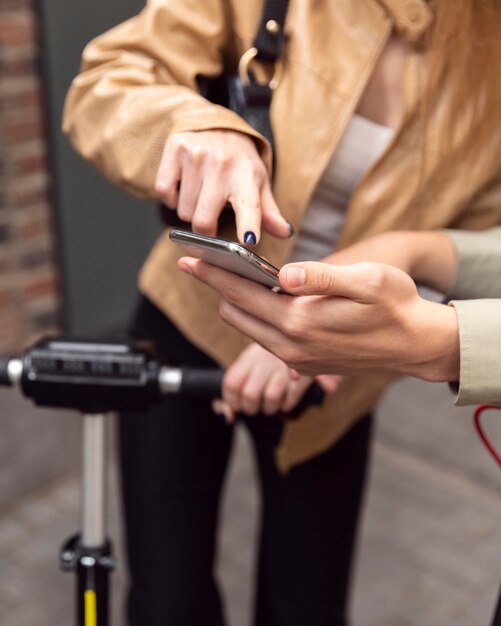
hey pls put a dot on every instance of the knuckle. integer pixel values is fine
(172, 143)
(271, 407)
(197, 154)
(257, 171)
(184, 213)
(172, 194)
(249, 171)
(224, 311)
(325, 282)
(251, 396)
(273, 396)
(168, 196)
(249, 200)
(251, 404)
(160, 188)
(231, 385)
(178, 144)
(257, 166)
(203, 222)
(375, 278)
(220, 159)
(231, 295)
(288, 405)
(290, 326)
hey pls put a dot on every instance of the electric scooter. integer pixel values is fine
(96, 377)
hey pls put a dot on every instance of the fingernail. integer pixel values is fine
(225, 420)
(222, 418)
(296, 276)
(185, 268)
(292, 230)
(250, 238)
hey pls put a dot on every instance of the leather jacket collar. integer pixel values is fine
(411, 17)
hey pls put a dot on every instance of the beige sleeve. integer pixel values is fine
(138, 85)
(479, 323)
(479, 264)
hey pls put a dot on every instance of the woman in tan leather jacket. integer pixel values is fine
(382, 114)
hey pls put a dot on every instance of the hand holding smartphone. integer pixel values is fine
(228, 255)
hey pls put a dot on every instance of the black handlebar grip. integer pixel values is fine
(201, 382)
(5, 381)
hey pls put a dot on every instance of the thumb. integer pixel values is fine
(361, 282)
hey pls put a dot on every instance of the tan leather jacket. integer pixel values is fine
(138, 86)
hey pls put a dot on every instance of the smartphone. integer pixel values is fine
(228, 255)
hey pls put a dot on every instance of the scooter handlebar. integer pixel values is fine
(99, 377)
(208, 383)
(201, 382)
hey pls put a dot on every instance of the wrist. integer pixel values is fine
(437, 342)
(421, 245)
(432, 259)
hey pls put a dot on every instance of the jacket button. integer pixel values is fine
(272, 27)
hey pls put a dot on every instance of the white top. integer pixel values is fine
(360, 147)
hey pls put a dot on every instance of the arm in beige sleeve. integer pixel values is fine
(479, 323)
(478, 273)
(138, 85)
(471, 268)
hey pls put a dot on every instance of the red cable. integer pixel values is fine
(478, 425)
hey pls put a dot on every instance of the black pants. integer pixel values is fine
(174, 460)
(496, 620)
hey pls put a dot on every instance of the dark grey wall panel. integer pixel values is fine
(104, 233)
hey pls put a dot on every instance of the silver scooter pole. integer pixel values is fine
(94, 378)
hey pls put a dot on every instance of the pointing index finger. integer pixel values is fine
(246, 203)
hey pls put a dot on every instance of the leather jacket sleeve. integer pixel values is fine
(138, 85)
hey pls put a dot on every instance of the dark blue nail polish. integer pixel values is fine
(250, 238)
(292, 230)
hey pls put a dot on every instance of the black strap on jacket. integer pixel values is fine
(242, 93)
(270, 35)
(250, 99)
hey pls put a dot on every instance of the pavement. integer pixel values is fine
(430, 542)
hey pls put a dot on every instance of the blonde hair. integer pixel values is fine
(463, 82)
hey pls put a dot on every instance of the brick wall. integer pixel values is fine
(35, 446)
(29, 290)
